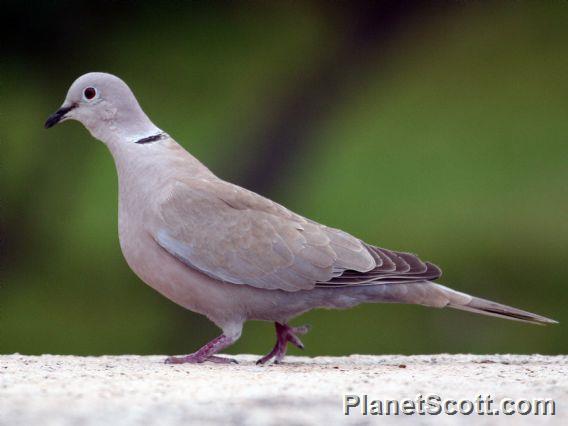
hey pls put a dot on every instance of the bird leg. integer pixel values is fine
(284, 334)
(206, 353)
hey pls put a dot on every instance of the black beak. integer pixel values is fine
(56, 117)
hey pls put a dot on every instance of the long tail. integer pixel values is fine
(435, 295)
(465, 302)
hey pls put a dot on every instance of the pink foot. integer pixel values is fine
(206, 353)
(284, 334)
(195, 359)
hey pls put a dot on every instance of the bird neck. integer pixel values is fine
(118, 121)
(154, 160)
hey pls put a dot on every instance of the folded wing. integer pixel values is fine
(240, 237)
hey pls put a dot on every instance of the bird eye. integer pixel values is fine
(89, 93)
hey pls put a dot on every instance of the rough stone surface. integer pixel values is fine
(129, 390)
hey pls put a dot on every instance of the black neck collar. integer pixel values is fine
(153, 138)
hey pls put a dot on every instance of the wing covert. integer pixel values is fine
(237, 236)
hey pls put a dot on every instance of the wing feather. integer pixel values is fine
(239, 237)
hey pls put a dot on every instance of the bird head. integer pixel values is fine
(106, 106)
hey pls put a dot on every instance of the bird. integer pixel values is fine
(230, 254)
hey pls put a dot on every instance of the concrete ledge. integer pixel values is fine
(128, 390)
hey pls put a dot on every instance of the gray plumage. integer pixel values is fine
(233, 255)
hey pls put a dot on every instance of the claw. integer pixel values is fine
(173, 360)
(222, 360)
(206, 353)
(284, 334)
(295, 341)
(268, 356)
(192, 359)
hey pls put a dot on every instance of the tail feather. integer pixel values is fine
(465, 302)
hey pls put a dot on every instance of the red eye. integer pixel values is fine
(90, 93)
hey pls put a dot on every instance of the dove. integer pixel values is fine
(230, 254)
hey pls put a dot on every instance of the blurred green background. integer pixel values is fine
(439, 129)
